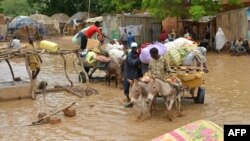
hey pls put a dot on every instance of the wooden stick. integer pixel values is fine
(32, 88)
(11, 53)
(83, 70)
(74, 64)
(50, 90)
(32, 82)
(75, 93)
(54, 113)
(69, 90)
(11, 70)
(65, 70)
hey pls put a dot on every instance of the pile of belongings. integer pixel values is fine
(115, 50)
(112, 50)
(91, 58)
(145, 52)
(178, 52)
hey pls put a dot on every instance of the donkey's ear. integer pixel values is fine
(130, 81)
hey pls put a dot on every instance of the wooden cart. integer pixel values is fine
(191, 79)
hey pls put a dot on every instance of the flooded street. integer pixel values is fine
(102, 117)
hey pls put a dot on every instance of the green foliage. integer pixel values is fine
(50, 7)
(15, 7)
(235, 2)
(197, 12)
(209, 6)
(105, 6)
(164, 8)
(127, 5)
(70, 7)
(182, 8)
(157, 8)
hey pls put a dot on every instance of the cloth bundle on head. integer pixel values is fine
(145, 52)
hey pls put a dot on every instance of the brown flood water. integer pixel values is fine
(103, 118)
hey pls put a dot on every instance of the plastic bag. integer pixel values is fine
(145, 52)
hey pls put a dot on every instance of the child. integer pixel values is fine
(34, 60)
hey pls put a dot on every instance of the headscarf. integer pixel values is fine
(220, 39)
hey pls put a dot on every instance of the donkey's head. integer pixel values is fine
(135, 90)
(153, 89)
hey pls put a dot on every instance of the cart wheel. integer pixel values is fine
(200, 96)
(81, 77)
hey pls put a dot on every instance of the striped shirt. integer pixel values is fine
(158, 67)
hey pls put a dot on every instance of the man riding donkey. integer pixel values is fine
(159, 68)
(157, 81)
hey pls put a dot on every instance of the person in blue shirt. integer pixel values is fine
(131, 39)
(131, 68)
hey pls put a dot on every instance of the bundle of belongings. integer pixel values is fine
(115, 50)
(145, 52)
(112, 50)
(178, 53)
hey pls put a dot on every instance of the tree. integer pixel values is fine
(105, 6)
(127, 5)
(50, 7)
(202, 8)
(163, 8)
(183, 8)
(235, 2)
(22, 9)
(70, 7)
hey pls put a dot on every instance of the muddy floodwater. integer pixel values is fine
(102, 117)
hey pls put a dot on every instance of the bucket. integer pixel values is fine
(49, 46)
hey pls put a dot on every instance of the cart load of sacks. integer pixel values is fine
(111, 51)
(178, 52)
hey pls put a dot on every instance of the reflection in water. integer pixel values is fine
(102, 117)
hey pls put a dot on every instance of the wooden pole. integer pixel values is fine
(69, 90)
(11, 70)
(54, 113)
(75, 93)
(32, 81)
(65, 70)
(50, 90)
(83, 70)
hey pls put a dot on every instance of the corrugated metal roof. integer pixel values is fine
(204, 19)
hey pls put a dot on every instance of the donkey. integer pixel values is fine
(113, 70)
(138, 96)
(157, 87)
